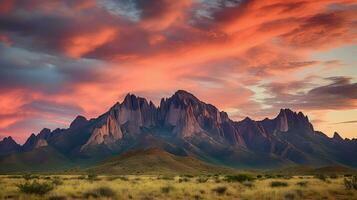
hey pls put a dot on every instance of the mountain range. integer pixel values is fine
(181, 128)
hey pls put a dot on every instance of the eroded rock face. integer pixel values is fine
(108, 133)
(123, 119)
(37, 141)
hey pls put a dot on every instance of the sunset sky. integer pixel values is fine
(62, 58)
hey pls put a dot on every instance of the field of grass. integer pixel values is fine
(244, 186)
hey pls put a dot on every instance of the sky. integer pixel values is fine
(63, 58)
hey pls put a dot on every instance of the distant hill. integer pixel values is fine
(184, 127)
(155, 161)
(38, 160)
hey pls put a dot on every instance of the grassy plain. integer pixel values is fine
(145, 187)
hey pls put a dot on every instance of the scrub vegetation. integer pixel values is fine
(237, 186)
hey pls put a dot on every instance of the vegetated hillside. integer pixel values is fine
(44, 159)
(155, 161)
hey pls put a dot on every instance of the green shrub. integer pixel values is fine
(278, 184)
(238, 178)
(220, 190)
(100, 192)
(35, 187)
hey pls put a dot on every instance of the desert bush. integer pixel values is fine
(57, 198)
(165, 178)
(92, 177)
(289, 196)
(14, 176)
(322, 177)
(81, 177)
(202, 179)
(57, 181)
(30, 176)
(278, 184)
(302, 183)
(351, 183)
(259, 176)
(270, 176)
(238, 178)
(333, 176)
(166, 189)
(123, 178)
(184, 179)
(187, 175)
(100, 192)
(35, 187)
(220, 190)
(248, 184)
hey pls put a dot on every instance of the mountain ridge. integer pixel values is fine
(182, 124)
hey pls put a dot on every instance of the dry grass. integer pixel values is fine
(178, 187)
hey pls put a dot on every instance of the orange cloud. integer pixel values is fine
(79, 45)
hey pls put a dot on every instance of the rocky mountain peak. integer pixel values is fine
(78, 122)
(8, 140)
(44, 133)
(337, 137)
(288, 119)
(8, 145)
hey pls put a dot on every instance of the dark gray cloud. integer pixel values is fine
(340, 93)
(34, 71)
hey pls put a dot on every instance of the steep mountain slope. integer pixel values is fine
(185, 126)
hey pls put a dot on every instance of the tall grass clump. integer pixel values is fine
(35, 187)
(238, 178)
